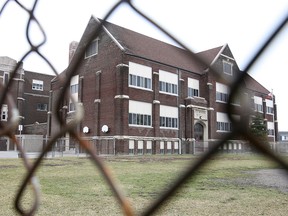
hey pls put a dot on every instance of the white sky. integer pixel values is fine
(200, 25)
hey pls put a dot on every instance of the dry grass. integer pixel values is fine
(73, 186)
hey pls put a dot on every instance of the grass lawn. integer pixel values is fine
(73, 186)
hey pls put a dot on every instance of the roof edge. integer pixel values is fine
(219, 53)
(109, 33)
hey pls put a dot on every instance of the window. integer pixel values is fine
(139, 81)
(6, 78)
(236, 100)
(168, 87)
(168, 122)
(270, 129)
(270, 132)
(140, 147)
(37, 85)
(193, 92)
(161, 147)
(269, 106)
(148, 147)
(270, 110)
(140, 76)
(223, 123)
(169, 147)
(72, 107)
(74, 86)
(131, 147)
(140, 113)
(223, 97)
(4, 112)
(168, 117)
(224, 126)
(92, 49)
(168, 82)
(228, 68)
(222, 93)
(139, 119)
(176, 147)
(258, 105)
(193, 87)
(42, 107)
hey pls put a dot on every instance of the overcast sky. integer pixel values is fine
(201, 25)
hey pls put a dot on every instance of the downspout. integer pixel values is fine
(179, 110)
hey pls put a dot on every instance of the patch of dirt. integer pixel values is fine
(145, 159)
(8, 166)
(269, 178)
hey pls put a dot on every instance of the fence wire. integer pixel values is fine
(240, 128)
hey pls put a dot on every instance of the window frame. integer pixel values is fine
(39, 107)
(168, 122)
(162, 147)
(6, 77)
(269, 107)
(226, 63)
(4, 112)
(168, 83)
(222, 93)
(131, 147)
(140, 114)
(90, 50)
(258, 104)
(193, 87)
(168, 88)
(149, 147)
(138, 119)
(140, 82)
(169, 117)
(37, 85)
(223, 124)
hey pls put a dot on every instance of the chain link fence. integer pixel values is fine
(80, 145)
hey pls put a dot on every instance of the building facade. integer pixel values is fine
(151, 97)
(29, 93)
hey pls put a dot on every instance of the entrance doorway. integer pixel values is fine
(198, 132)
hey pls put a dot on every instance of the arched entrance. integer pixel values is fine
(199, 132)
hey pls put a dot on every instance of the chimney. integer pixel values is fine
(72, 48)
